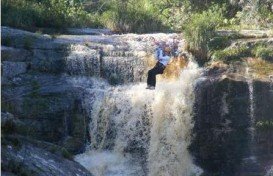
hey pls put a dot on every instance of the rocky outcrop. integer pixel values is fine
(123, 58)
(40, 73)
(21, 156)
(47, 79)
(228, 138)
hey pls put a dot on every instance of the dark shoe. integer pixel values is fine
(150, 87)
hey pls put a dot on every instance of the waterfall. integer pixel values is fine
(271, 82)
(251, 104)
(129, 119)
(171, 126)
(251, 114)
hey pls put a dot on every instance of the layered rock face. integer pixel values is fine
(40, 73)
(232, 127)
(48, 81)
(23, 157)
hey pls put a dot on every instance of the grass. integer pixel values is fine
(61, 14)
(263, 52)
(48, 13)
(261, 67)
(231, 54)
(259, 50)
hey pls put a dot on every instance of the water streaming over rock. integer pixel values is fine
(271, 82)
(252, 157)
(155, 124)
(251, 104)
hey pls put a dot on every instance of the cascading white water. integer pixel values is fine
(171, 126)
(130, 117)
(252, 158)
(251, 104)
(271, 82)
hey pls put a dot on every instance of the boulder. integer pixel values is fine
(21, 156)
(224, 142)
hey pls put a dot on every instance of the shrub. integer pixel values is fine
(47, 13)
(200, 29)
(218, 43)
(132, 16)
(255, 14)
(264, 52)
(231, 54)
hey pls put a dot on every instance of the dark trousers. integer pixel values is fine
(158, 69)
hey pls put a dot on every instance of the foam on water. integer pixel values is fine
(109, 163)
(159, 122)
(251, 110)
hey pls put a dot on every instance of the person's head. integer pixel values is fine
(167, 50)
(163, 44)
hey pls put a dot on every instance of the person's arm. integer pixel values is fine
(161, 57)
(157, 53)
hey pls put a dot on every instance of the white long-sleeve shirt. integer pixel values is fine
(159, 56)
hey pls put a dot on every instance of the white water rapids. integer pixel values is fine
(158, 121)
(129, 117)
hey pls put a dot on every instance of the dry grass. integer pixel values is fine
(260, 67)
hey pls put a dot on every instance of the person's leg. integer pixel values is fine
(151, 81)
(151, 77)
(158, 70)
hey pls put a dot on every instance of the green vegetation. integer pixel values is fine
(219, 42)
(200, 28)
(131, 16)
(140, 16)
(265, 124)
(230, 54)
(47, 13)
(264, 52)
(198, 20)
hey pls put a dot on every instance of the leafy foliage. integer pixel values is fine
(231, 54)
(131, 16)
(264, 52)
(200, 29)
(47, 13)
(140, 16)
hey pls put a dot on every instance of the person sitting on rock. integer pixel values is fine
(159, 45)
(163, 57)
